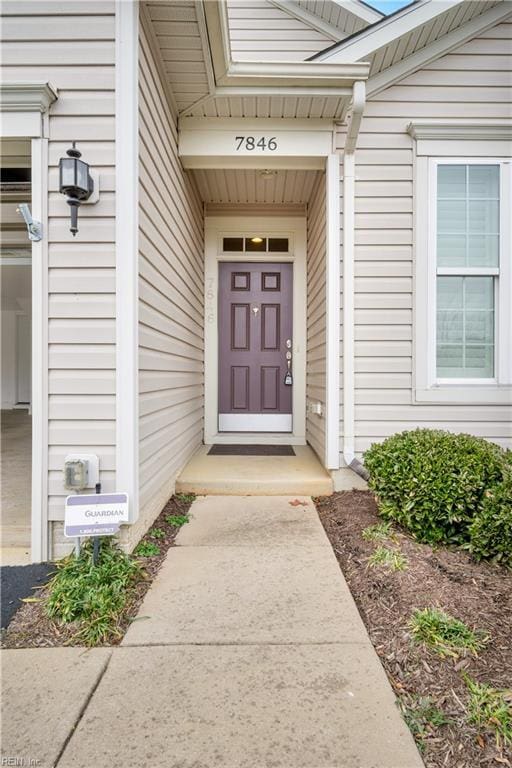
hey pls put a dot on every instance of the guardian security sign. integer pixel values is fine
(95, 514)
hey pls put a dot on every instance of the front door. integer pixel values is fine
(255, 347)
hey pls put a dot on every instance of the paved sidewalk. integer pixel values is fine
(248, 652)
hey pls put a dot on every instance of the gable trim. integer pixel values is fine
(369, 40)
(438, 48)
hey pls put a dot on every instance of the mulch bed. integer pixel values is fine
(479, 594)
(31, 628)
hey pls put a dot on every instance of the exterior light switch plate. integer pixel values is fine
(93, 473)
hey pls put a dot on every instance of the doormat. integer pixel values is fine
(251, 450)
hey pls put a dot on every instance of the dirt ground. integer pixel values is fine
(479, 594)
(31, 628)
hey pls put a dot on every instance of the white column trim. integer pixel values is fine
(332, 395)
(349, 165)
(127, 176)
(39, 395)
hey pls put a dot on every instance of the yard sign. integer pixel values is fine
(95, 514)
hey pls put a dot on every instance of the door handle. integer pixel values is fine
(288, 378)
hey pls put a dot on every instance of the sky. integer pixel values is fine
(388, 6)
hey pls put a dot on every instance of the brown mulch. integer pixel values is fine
(31, 628)
(479, 594)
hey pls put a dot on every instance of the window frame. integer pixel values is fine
(428, 387)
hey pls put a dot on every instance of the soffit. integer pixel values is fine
(248, 186)
(181, 40)
(177, 34)
(405, 45)
(334, 14)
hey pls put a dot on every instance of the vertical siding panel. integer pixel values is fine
(170, 301)
(316, 314)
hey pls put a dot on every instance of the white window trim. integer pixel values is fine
(427, 388)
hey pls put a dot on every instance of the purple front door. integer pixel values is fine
(255, 347)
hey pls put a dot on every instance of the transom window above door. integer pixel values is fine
(255, 244)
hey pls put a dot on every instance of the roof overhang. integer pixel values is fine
(299, 75)
(366, 42)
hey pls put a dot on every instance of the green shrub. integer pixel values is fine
(491, 530)
(93, 595)
(433, 482)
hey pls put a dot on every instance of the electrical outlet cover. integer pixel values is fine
(93, 468)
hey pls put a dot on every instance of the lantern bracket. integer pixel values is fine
(34, 228)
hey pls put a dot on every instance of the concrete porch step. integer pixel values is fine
(301, 474)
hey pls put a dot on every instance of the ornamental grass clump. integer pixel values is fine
(490, 709)
(435, 484)
(444, 634)
(94, 596)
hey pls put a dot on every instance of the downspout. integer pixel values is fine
(349, 163)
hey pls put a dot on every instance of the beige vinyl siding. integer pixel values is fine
(316, 316)
(72, 45)
(469, 83)
(260, 31)
(170, 301)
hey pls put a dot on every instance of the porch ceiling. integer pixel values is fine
(249, 186)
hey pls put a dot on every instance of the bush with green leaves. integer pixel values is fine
(435, 483)
(491, 530)
(93, 595)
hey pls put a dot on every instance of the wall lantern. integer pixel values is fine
(76, 182)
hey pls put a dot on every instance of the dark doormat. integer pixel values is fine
(251, 450)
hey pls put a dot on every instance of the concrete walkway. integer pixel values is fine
(248, 652)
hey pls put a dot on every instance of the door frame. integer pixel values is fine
(217, 227)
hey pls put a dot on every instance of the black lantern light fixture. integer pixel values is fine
(76, 182)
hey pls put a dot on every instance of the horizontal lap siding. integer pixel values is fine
(260, 31)
(170, 301)
(471, 82)
(73, 47)
(316, 316)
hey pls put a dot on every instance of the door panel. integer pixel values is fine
(255, 322)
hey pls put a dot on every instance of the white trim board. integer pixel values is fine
(39, 397)
(295, 229)
(127, 225)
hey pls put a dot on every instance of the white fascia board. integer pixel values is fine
(27, 97)
(438, 48)
(370, 40)
(215, 15)
(311, 19)
(294, 73)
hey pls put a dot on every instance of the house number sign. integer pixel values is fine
(251, 143)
